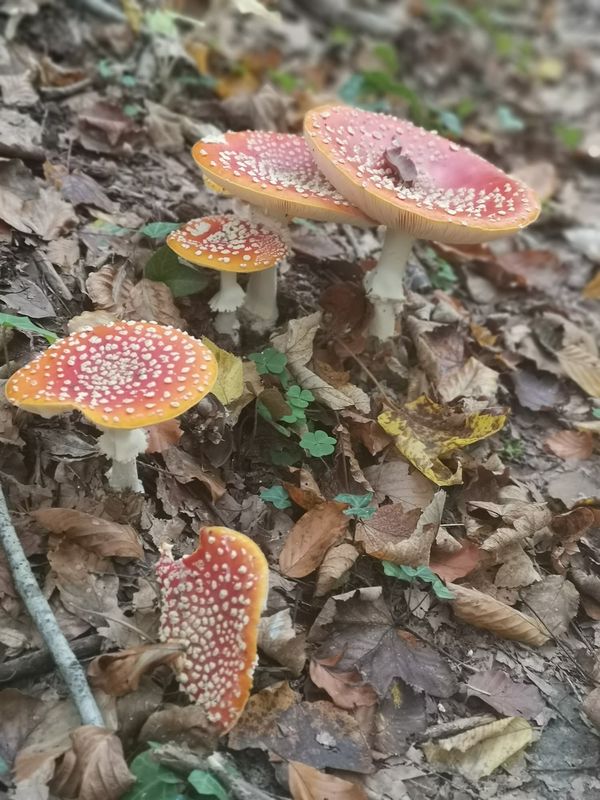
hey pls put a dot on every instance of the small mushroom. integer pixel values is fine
(123, 377)
(276, 173)
(418, 184)
(212, 601)
(233, 245)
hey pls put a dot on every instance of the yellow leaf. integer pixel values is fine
(199, 53)
(230, 380)
(479, 751)
(582, 367)
(134, 14)
(424, 432)
(591, 290)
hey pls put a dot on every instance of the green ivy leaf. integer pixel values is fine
(318, 443)
(25, 324)
(206, 785)
(360, 505)
(277, 495)
(158, 230)
(269, 362)
(164, 266)
(412, 574)
(154, 782)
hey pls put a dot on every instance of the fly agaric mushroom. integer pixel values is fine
(123, 377)
(418, 184)
(276, 173)
(212, 601)
(233, 245)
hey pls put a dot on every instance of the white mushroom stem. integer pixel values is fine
(384, 284)
(226, 302)
(261, 296)
(123, 447)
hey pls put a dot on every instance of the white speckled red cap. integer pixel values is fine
(122, 375)
(212, 601)
(228, 243)
(276, 172)
(456, 196)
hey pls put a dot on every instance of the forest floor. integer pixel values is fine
(358, 697)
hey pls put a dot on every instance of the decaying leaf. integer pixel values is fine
(400, 482)
(260, 715)
(120, 673)
(110, 288)
(346, 688)
(229, 386)
(392, 534)
(517, 569)
(100, 536)
(581, 366)
(185, 468)
(154, 300)
(450, 566)
(281, 642)
(426, 432)
(479, 751)
(311, 537)
(19, 715)
(163, 435)
(308, 783)
(483, 611)
(499, 691)
(577, 445)
(337, 563)
(554, 602)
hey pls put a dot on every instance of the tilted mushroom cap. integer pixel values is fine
(212, 601)
(228, 243)
(121, 375)
(276, 172)
(448, 193)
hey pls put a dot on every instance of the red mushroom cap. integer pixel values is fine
(276, 172)
(228, 243)
(121, 375)
(447, 192)
(212, 600)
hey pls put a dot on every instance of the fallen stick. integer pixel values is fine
(39, 662)
(44, 620)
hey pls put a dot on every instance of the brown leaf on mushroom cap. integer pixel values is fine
(100, 536)
(315, 532)
(308, 783)
(120, 673)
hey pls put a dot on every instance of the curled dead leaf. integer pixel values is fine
(346, 688)
(120, 673)
(152, 300)
(162, 436)
(581, 366)
(308, 783)
(110, 288)
(311, 537)
(338, 561)
(577, 445)
(100, 536)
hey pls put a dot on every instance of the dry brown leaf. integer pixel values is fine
(100, 536)
(337, 562)
(582, 367)
(306, 493)
(163, 436)
(185, 724)
(577, 445)
(471, 379)
(591, 290)
(367, 431)
(591, 707)
(554, 602)
(483, 611)
(450, 566)
(280, 641)
(185, 469)
(517, 569)
(541, 176)
(110, 288)
(120, 673)
(311, 537)
(392, 534)
(153, 301)
(346, 688)
(345, 448)
(400, 482)
(94, 768)
(88, 319)
(308, 783)
(260, 715)
(19, 714)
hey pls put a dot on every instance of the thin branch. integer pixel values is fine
(102, 8)
(44, 620)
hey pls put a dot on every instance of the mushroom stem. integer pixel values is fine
(226, 302)
(384, 284)
(261, 297)
(123, 447)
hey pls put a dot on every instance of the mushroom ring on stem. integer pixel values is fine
(212, 600)
(417, 183)
(276, 173)
(123, 377)
(233, 245)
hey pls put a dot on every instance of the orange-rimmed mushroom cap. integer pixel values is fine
(212, 601)
(122, 375)
(228, 243)
(447, 192)
(277, 172)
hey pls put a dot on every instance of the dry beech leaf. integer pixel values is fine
(280, 641)
(472, 379)
(506, 696)
(400, 482)
(582, 367)
(402, 538)
(152, 300)
(88, 319)
(483, 611)
(311, 537)
(308, 783)
(554, 601)
(337, 562)
(528, 520)
(346, 688)
(120, 673)
(185, 468)
(479, 751)
(260, 715)
(181, 724)
(445, 542)
(591, 290)
(450, 566)
(517, 569)
(577, 445)
(110, 288)
(345, 449)
(94, 768)
(100, 536)
(367, 431)
(162, 436)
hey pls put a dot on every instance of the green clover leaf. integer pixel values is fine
(412, 574)
(298, 399)
(269, 362)
(360, 505)
(276, 495)
(318, 443)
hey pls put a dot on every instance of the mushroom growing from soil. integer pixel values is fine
(276, 173)
(123, 377)
(417, 183)
(233, 245)
(212, 600)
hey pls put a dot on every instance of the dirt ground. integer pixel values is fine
(483, 684)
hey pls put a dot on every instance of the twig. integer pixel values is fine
(40, 661)
(44, 620)
(102, 9)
